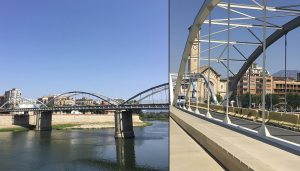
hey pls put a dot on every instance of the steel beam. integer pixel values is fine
(204, 11)
(289, 26)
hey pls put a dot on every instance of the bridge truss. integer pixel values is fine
(154, 98)
(229, 31)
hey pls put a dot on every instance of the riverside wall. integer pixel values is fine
(7, 120)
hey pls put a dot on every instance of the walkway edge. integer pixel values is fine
(221, 154)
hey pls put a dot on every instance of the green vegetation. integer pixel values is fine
(219, 98)
(162, 116)
(274, 98)
(63, 126)
(293, 101)
(13, 129)
(256, 99)
(146, 124)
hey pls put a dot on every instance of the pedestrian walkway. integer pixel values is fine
(186, 154)
(234, 150)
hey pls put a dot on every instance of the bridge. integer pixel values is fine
(154, 98)
(221, 134)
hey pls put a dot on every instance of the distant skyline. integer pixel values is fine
(182, 15)
(116, 48)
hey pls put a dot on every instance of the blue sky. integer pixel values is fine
(182, 14)
(113, 47)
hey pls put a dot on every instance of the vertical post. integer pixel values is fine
(197, 81)
(226, 119)
(271, 105)
(171, 91)
(249, 86)
(186, 94)
(263, 131)
(285, 90)
(189, 108)
(208, 93)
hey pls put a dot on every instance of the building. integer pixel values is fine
(292, 86)
(64, 101)
(274, 84)
(219, 84)
(84, 101)
(2, 100)
(13, 97)
(55, 100)
(48, 99)
(252, 81)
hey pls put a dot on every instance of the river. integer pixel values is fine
(78, 150)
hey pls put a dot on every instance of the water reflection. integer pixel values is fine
(85, 150)
(125, 153)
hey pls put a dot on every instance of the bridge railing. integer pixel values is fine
(281, 119)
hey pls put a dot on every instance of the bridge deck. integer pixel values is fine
(186, 153)
(235, 150)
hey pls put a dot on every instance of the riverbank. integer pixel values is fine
(101, 125)
(160, 116)
(13, 129)
(15, 123)
(95, 125)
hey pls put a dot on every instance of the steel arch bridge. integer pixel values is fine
(239, 18)
(147, 93)
(133, 103)
(74, 93)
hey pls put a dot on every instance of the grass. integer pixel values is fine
(63, 126)
(146, 124)
(13, 129)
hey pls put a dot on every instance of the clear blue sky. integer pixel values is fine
(182, 14)
(113, 47)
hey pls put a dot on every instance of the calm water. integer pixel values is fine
(85, 150)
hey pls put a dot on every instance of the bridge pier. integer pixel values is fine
(44, 121)
(123, 124)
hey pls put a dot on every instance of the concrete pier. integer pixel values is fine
(123, 124)
(43, 121)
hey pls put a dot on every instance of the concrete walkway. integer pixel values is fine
(234, 150)
(186, 154)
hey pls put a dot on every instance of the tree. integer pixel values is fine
(256, 99)
(293, 100)
(275, 100)
(245, 100)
